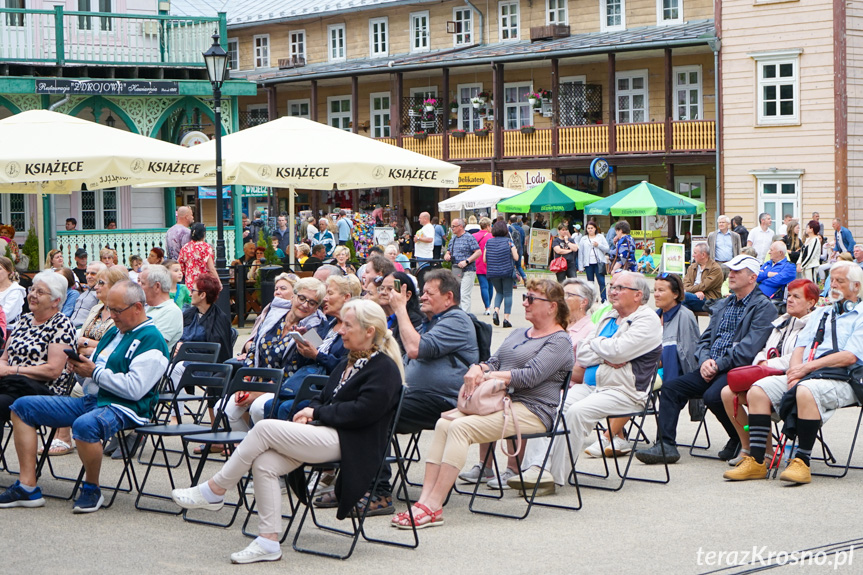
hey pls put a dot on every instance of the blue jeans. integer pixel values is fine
(289, 390)
(518, 269)
(592, 270)
(692, 302)
(486, 290)
(504, 293)
(89, 423)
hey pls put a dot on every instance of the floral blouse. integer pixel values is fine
(95, 327)
(193, 259)
(28, 345)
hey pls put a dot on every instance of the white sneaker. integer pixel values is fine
(597, 448)
(255, 553)
(504, 477)
(474, 475)
(192, 498)
(618, 447)
(531, 477)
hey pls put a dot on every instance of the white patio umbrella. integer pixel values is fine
(482, 196)
(48, 152)
(298, 153)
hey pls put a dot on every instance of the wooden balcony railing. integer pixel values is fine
(646, 137)
(60, 37)
(694, 135)
(519, 145)
(589, 140)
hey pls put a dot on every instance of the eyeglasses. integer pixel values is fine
(37, 292)
(101, 283)
(567, 295)
(618, 288)
(113, 311)
(194, 290)
(307, 301)
(385, 289)
(530, 298)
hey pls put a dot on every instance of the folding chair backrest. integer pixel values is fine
(234, 335)
(213, 377)
(256, 379)
(198, 351)
(312, 385)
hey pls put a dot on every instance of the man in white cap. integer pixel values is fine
(738, 329)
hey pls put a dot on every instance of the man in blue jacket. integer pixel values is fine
(119, 393)
(777, 272)
(843, 237)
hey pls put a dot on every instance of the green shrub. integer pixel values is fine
(31, 248)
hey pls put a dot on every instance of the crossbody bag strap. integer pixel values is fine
(507, 414)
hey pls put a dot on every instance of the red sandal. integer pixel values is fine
(426, 518)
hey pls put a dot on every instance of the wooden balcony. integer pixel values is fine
(58, 37)
(690, 136)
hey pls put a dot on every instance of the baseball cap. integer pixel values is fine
(80, 253)
(744, 262)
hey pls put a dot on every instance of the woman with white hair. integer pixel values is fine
(33, 362)
(348, 422)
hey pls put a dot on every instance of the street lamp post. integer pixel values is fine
(216, 60)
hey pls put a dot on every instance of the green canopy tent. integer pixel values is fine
(547, 197)
(644, 199)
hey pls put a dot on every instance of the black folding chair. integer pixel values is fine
(262, 380)
(358, 520)
(558, 428)
(213, 376)
(193, 351)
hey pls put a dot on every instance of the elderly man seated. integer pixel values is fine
(703, 280)
(621, 354)
(120, 393)
(777, 272)
(816, 379)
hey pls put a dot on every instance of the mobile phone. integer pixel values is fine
(397, 285)
(72, 354)
(297, 336)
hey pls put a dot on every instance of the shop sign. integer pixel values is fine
(209, 192)
(523, 180)
(469, 180)
(600, 169)
(107, 87)
(193, 138)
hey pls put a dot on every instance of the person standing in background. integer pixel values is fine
(740, 229)
(179, 234)
(439, 237)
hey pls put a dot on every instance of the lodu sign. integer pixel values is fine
(523, 180)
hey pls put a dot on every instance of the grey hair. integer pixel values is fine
(721, 217)
(99, 266)
(783, 249)
(55, 282)
(702, 247)
(132, 292)
(311, 284)
(161, 275)
(640, 284)
(585, 291)
(854, 273)
(761, 216)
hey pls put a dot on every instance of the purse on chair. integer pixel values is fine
(487, 399)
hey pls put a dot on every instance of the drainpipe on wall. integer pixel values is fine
(479, 13)
(715, 44)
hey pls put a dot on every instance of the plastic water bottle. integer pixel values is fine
(790, 451)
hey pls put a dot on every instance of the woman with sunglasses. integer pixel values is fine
(274, 348)
(532, 363)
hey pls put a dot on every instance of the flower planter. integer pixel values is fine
(458, 134)
(533, 102)
(528, 130)
(480, 133)
(420, 136)
(476, 105)
(413, 113)
(428, 124)
(429, 108)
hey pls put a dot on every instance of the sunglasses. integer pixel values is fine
(530, 298)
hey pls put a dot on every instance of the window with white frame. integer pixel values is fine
(298, 44)
(778, 87)
(380, 114)
(299, 108)
(463, 18)
(556, 12)
(98, 208)
(687, 93)
(468, 117)
(15, 210)
(632, 98)
(378, 37)
(339, 112)
(420, 31)
(262, 50)
(336, 47)
(669, 12)
(507, 21)
(233, 54)
(778, 193)
(612, 15)
(257, 114)
(516, 109)
(691, 187)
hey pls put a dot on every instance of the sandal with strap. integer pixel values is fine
(379, 505)
(425, 518)
(327, 501)
(58, 447)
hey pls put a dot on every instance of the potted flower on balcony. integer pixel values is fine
(420, 135)
(476, 102)
(458, 133)
(430, 104)
(534, 99)
(544, 95)
(453, 107)
(415, 111)
(481, 133)
(528, 130)
(484, 96)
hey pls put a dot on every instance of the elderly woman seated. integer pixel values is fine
(349, 420)
(532, 364)
(33, 362)
(274, 347)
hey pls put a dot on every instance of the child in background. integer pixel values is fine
(275, 241)
(179, 292)
(645, 263)
(135, 263)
